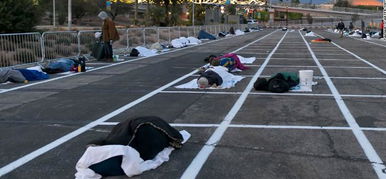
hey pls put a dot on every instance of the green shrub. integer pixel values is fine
(18, 16)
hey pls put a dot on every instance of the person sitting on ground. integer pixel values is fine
(209, 78)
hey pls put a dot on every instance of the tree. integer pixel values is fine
(119, 7)
(295, 1)
(342, 3)
(199, 13)
(231, 9)
(18, 15)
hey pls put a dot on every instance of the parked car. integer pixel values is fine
(252, 21)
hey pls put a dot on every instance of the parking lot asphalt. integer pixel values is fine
(335, 131)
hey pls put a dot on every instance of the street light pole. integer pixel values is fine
(69, 15)
(193, 13)
(286, 19)
(53, 14)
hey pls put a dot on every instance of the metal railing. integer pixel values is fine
(18, 49)
(59, 44)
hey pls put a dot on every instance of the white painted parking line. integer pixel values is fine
(295, 66)
(21, 161)
(197, 163)
(330, 59)
(359, 78)
(250, 126)
(358, 57)
(202, 92)
(275, 94)
(367, 147)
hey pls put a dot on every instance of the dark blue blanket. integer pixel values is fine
(32, 75)
(205, 35)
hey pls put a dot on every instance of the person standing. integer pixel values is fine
(351, 26)
(109, 35)
(381, 26)
(340, 27)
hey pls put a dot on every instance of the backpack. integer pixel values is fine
(261, 84)
(134, 53)
(278, 86)
(282, 82)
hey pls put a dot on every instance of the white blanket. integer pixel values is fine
(145, 52)
(310, 34)
(300, 88)
(132, 163)
(245, 60)
(180, 42)
(229, 80)
(239, 32)
(193, 41)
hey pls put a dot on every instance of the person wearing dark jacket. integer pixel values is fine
(209, 78)
(340, 27)
(351, 26)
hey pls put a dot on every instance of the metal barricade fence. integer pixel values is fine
(59, 44)
(86, 41)
(121, 45)
(190, 30)
(23, 48)
(164, 35)
(150, 35)
(174, 32)
(183, 31)
(17, 49)
(135, 37)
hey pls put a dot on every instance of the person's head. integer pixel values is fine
(103, 15)
(214, 62)
(203, 82)
(210, 58)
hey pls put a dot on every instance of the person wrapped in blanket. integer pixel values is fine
(21, 75)
(230, 61)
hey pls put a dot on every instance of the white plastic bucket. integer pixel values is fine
(305, 79)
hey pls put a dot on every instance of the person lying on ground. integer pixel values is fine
(209, 78)
(278, 83)
(233, 63)
(11, 75)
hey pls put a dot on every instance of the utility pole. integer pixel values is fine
(69, 15)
